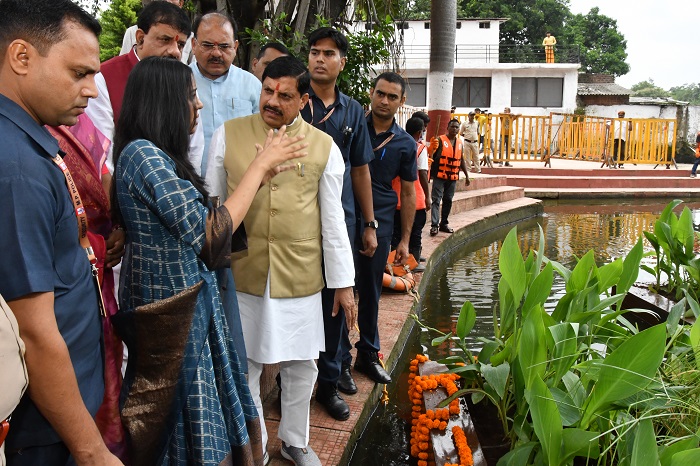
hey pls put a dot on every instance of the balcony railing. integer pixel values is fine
(499, 53)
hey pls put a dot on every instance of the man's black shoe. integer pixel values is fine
(346, 383)
(327, 395)
(368, 363)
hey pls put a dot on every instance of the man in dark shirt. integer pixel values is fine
(48, 45)
(342, 118)
(394, 155)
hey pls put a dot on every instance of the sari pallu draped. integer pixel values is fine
(85, 151)
(185, 398)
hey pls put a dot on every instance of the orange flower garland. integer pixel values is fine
(422, 423)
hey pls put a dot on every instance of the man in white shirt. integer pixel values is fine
(130, 35)
(226, 91)
(295, 221)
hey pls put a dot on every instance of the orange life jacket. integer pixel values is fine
(450, 159)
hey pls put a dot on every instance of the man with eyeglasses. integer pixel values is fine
(130, 35)
(163, 29)
(226, 91)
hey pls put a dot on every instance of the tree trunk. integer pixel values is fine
(247, 13)
(443, 16)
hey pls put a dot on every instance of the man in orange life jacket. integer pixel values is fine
(447, 161)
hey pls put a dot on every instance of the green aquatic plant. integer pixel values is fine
(673, 240)
(583, 381)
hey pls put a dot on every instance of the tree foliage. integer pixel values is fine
(366, 48)
(687, 93)
(603, 47)
(648, 89)
(115, 20)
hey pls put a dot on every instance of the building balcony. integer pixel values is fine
(496, 53)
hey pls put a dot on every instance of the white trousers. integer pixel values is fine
(298, 379)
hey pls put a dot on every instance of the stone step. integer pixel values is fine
(465, 201)
(605, 193)
(628, 171)
(606, 182)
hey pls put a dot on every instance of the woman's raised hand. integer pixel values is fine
(279, 148)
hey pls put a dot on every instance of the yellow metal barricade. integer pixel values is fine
(613, 141)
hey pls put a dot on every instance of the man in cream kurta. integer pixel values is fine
(295, 218)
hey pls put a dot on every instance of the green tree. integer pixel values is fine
(648, 89)
(115, 20)
(603, 47)
(365, 49)
(687, 93)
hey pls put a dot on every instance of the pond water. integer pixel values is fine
(571, 229)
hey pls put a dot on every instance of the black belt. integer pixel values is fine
(471, 141)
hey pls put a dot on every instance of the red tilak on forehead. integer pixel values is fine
(278, 87)
(177, 38)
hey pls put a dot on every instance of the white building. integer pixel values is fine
(481, 79)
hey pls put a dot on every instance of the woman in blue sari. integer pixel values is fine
(185, 400)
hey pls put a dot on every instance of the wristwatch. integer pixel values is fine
(372, 224)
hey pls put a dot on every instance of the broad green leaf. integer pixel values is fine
(667, 452)
(609, 274)
(667, 213)
(563, 308)
(437, 341)
(466, 320)
(506, 308)
(674, 316)
(653, 240)
(630, 267)
(645, 450)
(575, 389)
(539, 258)
(499, 358)
(568, 411)
(532, 351)
(695, 341)
(582, 273)
(560, 269)
(486, 351)
(565, 349)
(539, 290)
(512, 266)
(496, 377)
(686, 458)
(546, 420)
(685, 232)
(694, 306)
(518, 456)
(578, 442)
(626, 370)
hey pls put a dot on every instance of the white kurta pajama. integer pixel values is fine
(289, 331)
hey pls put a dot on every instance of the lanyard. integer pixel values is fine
(328, 115)
(82, 227)
(385, 142)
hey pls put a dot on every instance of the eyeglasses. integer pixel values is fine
(209, 47)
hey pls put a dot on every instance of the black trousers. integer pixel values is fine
(335, 331)
(369, 272)
(415, 242)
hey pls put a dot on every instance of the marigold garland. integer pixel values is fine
(422, 423)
